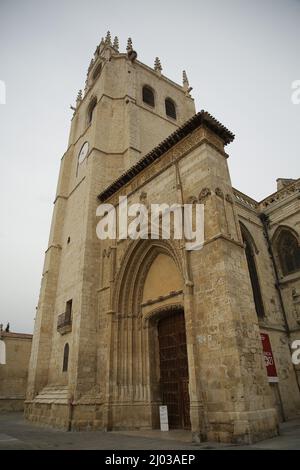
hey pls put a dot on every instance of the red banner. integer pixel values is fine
(269, 358)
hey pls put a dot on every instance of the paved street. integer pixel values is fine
(16, 433)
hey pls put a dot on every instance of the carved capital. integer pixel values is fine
(204, 194)
(219, 193)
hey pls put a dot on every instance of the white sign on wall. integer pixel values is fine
(163, 415)
(2, 352)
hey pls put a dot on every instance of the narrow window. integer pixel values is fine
(170, 108)
(97, 71)
(288, 252)
(259, 306)
(68, 311)
(66, 357)
(90, 111)
(148, 96)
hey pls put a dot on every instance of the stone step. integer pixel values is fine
(53, 394)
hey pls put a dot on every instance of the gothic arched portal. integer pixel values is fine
(150, 315)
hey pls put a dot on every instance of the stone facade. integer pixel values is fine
(95, 360)
(15, 349)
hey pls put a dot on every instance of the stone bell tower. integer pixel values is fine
(126, 109)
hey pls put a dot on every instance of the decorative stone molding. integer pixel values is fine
(282, 194)
(143, 196)
(296, 302)
(106, 252)
(161, 298)
(157, 313)
(204, 194)
(219, 193)
(245, 200)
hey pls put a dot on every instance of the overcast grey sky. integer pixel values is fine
(241, 57)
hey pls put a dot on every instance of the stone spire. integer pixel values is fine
(116, 43)
(157, 66)
(185, 83)
(108, 38)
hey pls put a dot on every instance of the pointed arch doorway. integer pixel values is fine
(174, 375)
(149, 337)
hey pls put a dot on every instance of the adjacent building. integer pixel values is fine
(14, 361)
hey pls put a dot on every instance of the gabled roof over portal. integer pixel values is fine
(199, 119)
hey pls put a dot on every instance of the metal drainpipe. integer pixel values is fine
(265, 221)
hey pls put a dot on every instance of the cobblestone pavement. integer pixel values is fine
(16, 433)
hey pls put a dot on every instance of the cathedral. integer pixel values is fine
(124, 326)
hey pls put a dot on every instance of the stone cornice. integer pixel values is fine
(11, 335)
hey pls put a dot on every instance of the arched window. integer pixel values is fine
(250, 256)
(288, 252)
(170, 108)
(148, 96)
(66, 357)
(90, 110)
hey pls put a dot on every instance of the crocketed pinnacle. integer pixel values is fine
(116, 43)
(157, 65)
(129, 45)
(108, 38)
(79, 96)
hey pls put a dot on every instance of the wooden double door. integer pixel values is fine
(174, 375)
